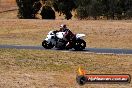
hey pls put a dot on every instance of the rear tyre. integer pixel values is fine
(80, 45)
(47, 45)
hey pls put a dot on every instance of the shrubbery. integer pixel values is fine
(110, 9)
(47, 13)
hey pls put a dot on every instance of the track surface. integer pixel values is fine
(87, 50)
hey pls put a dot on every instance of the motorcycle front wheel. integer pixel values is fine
(80, 45)
(47, 45)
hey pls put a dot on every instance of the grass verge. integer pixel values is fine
(99, 34)
(35, 68)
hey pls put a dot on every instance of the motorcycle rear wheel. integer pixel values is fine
(80, 45)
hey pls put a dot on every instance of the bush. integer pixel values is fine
(65, 7)
(28, 8)
(47, 13)
(112, 9)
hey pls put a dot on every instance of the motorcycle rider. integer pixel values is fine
(69, 36)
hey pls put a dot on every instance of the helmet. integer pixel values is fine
(62, 26)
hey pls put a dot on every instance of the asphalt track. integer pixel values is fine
(87, 50)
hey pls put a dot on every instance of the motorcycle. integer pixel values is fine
(58, 41)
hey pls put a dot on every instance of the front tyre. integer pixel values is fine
(47, 45)
(80, 45)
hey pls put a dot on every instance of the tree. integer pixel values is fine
(112, 9)
(83, 8)
(47, 13)
(127, 8)
(96, 8)
(65, 7)
(28, 8)
(89, 8)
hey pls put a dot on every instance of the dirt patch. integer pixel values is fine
(7, 5)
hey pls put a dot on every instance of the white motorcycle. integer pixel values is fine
(58, 41)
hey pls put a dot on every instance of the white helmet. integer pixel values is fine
(62, 26)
